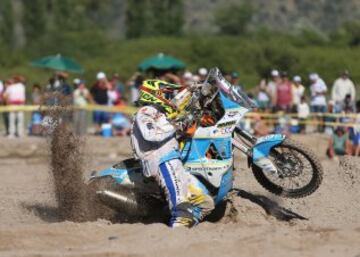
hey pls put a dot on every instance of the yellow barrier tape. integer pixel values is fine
(34, 108)
(269, 117)
(132, 110)
(314, 122)
(295, 115)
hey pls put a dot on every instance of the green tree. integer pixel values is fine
(6, 23)
(135, 19)
(353, 31)
(34, 19)
(169, 17)
(234, 18)
(154, 18)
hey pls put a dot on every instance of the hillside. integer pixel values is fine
(290, 15)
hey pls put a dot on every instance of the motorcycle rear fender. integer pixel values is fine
(263, 145)
(124, 172)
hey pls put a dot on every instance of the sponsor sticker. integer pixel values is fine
(226, 124)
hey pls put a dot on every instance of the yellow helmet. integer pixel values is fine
(160, 93)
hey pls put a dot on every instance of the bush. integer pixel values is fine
(253, 57)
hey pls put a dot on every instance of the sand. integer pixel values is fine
(326, 223)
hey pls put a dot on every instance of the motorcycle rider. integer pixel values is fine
(153, 137)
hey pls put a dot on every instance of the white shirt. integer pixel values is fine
(81, 96)
(1, 87)
(271, 88)
(318, 87)
(112, 96)
(341, 88)
(303, 110)
(297, 93)
(263, 97)
(15, 93)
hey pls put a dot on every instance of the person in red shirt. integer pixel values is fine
(284, 93)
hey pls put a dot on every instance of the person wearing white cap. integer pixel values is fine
(318, 90)
(202, 72)
(298, 90)
(100, 75)
(272, 86)
(187, 78)
(99, 92)
(342, 86)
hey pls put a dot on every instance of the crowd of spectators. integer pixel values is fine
(294, 98)
(335, 111)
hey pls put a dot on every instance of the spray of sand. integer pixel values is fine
(66, 165)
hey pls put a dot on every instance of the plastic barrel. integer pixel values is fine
(106, 130)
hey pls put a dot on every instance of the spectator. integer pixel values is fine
(135, 83)
(5, 115)
(36, 94)
(187, 79)
(339, 144)
(348, 104)
(118, 85)
(2, 89)
(260, 126)
(318, 90)
(51, 97)
(202, 72)
(329, 130)
(76, 83)
(235, 79)
(168, 77)
(298, 91)
(303, 111)
(82, 97)
(196, 78)
(66, 94)
(342, 87)
(120, 124)
(114, 96)
(272, 85)
(15, 95)
(284, 94)
(263, 99)
(65, 89)
(58, 91)
(36, 117)
(356, 132)
(99, 92)
(356, 142)
(347, 118)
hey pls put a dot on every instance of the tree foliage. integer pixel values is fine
(154, 18)
(234, 18)
(6, 23)
(34, 19)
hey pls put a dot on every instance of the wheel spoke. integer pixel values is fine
(294, 168)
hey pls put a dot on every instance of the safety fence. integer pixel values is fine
(324, 119)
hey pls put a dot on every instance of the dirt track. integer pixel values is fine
(30, 224)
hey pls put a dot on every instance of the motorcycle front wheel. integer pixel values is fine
(299, 171)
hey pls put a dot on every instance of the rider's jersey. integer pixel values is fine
(152, 137)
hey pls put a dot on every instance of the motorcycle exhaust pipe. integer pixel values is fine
(117, 200)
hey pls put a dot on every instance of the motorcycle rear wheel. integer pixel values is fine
(290, 158)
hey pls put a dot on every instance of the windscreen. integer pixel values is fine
(235, 93)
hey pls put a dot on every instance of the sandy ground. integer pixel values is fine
(30, 224)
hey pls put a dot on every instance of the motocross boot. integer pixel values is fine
(185, 215)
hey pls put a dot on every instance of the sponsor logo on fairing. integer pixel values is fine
(226, 124)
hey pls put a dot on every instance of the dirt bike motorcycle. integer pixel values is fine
(282, 166)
